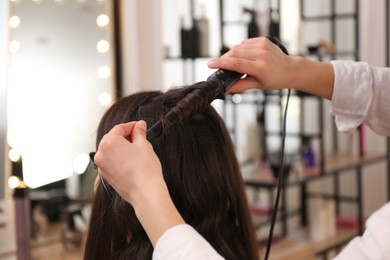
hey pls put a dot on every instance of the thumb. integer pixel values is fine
(139, 131)
(243, 84)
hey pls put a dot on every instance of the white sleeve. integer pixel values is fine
(374, 244)
(361, 94)
(183, 242)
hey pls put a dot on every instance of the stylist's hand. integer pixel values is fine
(127, 161)
(266, 66)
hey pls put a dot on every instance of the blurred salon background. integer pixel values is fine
(64, 62)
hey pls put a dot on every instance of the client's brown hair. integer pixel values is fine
(200, 169)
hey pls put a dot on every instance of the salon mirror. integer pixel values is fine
(60, 83)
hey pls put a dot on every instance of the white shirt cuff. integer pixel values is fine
(184, 242)
(352, 94)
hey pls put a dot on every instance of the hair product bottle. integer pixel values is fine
(189, 40)
(185, 47)
(308, 156)
(194, 39)
(274, 23)
(253, 29)
(203, 27)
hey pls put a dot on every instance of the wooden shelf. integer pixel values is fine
(329, 17)
(287, 248)
(299, 244)
(262, 176)
(340, 162)
(343, 235)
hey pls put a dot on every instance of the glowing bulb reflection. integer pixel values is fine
(16, 2)
(14, 22)
(102, 20)
(13, 182)
(14, 46)
(103, 46)
(104, 72)
(14, 155)
(105, 99)
(37, 1)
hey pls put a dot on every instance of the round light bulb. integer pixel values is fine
(37, 1)
(104, 72)
(105, 99)
(14, 22)
(14, 155)
(13, 182)
(103, 46)
(15, 2)
(14, 46)
(102, 20)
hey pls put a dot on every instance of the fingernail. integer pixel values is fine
(142, 124)
(211, 63)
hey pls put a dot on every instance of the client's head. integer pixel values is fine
(200, 169)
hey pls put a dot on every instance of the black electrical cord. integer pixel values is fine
(280, 181)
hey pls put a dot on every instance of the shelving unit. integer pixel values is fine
(330, 167)
(336, 166)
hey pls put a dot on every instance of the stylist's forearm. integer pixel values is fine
(157, 215)
(313, 77)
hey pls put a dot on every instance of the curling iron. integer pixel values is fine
(224, 79)
(221, 79)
